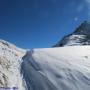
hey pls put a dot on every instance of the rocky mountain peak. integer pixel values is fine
(81, 36)
(84, 28)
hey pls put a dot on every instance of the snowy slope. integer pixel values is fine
(10, 61)
(64, 68)
(73, 40)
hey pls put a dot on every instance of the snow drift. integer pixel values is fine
(63, 68)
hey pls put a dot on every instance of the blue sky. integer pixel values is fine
(40, 23)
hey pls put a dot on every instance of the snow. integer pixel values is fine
(75, 40)
(10, 61)
(80, 37)
(63, 68)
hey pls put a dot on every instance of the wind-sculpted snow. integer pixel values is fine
(34, 79)
(64, 68)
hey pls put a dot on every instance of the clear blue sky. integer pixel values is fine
(40, 23)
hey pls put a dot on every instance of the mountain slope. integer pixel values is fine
(81, 36)
(64, 68)
(10, 60)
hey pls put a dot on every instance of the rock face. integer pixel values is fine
(81, 36)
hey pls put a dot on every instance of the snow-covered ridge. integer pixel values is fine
(4, 44)
(63, 68)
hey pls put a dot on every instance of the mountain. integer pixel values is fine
(81, 36)
(59, 68)
(44, 69)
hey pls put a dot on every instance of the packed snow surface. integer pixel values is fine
(63, 68)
